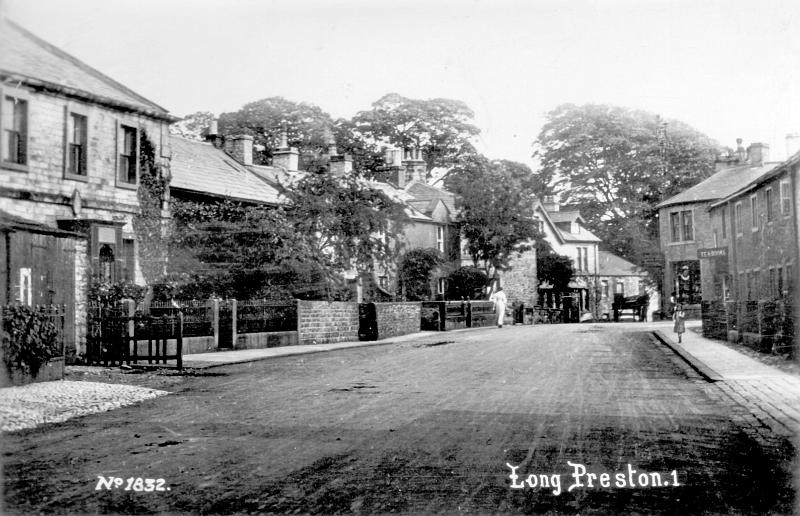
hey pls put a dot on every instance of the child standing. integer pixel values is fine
(678, 316)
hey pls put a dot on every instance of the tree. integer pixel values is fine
(496, 211)
(441, 128)
(194, 126)
(616, 164)
(308, 128)
(553, 268)
(466, 283)
(236, 250)
(414, 274)
(345, 222)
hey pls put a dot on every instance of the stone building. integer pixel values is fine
(755, 229)
(566, 232)
(74, 146)
(686, 232)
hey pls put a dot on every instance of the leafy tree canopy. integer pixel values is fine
(441, 128)
(346, 223)
(553, 268)
(616, 164)
(466, 283)
(194, 126)
(308, 128)
(496, 209)
(234, 250)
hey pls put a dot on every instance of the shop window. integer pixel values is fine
(686, 285)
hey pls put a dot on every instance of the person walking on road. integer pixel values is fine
(678, 316)
(499, 299)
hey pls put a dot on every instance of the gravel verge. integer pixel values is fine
(36, 404)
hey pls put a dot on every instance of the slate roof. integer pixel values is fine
(409, 205)
(757, 181)
(584, 236)
(719, 185)
(31, 60)
(201, 168)
(425, 192)
(565, 216)
(609, 264)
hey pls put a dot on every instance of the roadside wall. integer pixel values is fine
(323, 322)
(398, 318)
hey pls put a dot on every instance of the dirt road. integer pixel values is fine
(421, 427)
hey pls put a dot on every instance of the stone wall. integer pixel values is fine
(81, 295)
(519, 280)
(398, 318)
(321, 322)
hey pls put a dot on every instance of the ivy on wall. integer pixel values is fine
(149, 225)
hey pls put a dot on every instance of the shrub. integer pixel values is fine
(29, 339)
(466, 283)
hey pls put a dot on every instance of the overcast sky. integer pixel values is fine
(729, 68)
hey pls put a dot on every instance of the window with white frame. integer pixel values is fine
(440, 285)
(14, 128)
(754, 212)
(440, 238)
(688, 225)
(675, 226)
(681, 226)
(76, 150)
(127, 160)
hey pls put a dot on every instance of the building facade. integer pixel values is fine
(687, 234)
(74, 146)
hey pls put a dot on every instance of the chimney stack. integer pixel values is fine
(415, 166)
(284, 156)
(240, 148)
(758, 154)
(339, 165)
(792, 144)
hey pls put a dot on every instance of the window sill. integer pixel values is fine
(77, 177)
(127, 186)
(16, 167)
